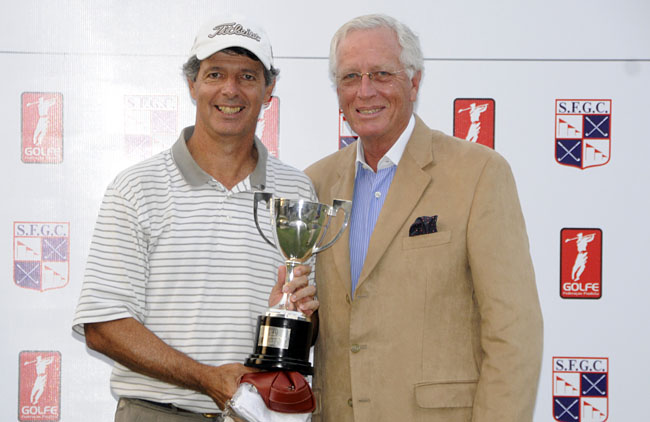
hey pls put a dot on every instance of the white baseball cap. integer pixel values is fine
(221, 32)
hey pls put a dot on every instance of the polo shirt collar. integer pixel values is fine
(194, 174)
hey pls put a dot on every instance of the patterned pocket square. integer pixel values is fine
(424, 225)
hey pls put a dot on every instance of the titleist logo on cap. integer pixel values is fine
(234, 28)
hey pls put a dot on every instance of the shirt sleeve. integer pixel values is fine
(116, 270)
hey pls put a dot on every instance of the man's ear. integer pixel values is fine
(192, 85)
(268, 92)
(415, 82)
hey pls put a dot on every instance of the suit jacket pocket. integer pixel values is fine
(436, 395)
(426, 240)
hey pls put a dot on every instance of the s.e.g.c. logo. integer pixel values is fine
(581, 263)
(580, 389)
(474, 120)
(41, 255)
(583, 132)
(39, 386)
(149, 123)
(268, 126)
(42, 127)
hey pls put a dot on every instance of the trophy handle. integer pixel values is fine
(257, 197)
(338, 204)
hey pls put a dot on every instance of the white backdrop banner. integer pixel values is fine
(560, 88)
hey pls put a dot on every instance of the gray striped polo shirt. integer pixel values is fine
(178, 252)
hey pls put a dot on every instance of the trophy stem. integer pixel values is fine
(284, 302)
(291, 265)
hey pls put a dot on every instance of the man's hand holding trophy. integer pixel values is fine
(284, 335)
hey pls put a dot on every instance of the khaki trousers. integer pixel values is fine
(135, 410)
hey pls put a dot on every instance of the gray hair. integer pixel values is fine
(411, 56)
(193, 64)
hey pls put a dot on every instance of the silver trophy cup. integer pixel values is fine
(298, 227)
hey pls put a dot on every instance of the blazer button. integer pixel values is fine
(350, 402)
(347, 299)
(355, 348)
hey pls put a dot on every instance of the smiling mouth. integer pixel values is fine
(368, 111)
(229, 110)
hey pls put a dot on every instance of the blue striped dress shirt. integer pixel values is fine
(370, 191)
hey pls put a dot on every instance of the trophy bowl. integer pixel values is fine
(298, 227)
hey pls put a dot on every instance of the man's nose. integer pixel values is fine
(366, 86)
(230, 86)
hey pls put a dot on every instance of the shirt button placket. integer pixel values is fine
(225, 207)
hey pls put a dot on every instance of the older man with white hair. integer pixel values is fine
(430, 309)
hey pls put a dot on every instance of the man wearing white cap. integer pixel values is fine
(177, 272)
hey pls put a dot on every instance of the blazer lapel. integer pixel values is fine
(407, 187)
(343, 189)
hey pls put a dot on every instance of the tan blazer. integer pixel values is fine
(443, 327)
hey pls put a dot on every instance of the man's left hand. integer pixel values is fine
(302, 296)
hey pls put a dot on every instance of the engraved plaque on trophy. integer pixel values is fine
(298, 227)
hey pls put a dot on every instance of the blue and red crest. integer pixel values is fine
(580, 389)
(41, 255)
(583, 132)
(149, 124)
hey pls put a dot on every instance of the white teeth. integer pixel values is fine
(229, 110)
(374, 110)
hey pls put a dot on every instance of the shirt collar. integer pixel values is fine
(194, 174)
(394, 154)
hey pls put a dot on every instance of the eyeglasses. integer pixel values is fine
(378, 77)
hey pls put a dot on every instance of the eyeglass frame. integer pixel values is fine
(371, 77)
